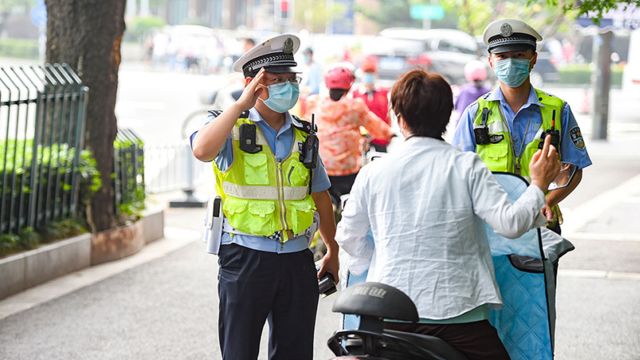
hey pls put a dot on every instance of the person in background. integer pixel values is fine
(375, 97)
(247, 44)
(476, 74)
(312, 74)
(339, 118)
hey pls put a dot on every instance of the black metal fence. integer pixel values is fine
(129, 171)
(42, 118)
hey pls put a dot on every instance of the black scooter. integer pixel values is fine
(374, 302)
(524, 273)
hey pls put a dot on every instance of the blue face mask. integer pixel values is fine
(368, 78)
(282, 96)
(512, 72)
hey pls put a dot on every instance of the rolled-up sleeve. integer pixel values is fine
(491, 204)
(572, 145)
(354, 226)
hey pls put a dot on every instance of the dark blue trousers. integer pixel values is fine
(255, 286)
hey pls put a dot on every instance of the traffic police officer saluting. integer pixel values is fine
(270, 196)
(506, 126)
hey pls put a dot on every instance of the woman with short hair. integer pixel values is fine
(425, 204)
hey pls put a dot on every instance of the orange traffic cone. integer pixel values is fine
(585, 105)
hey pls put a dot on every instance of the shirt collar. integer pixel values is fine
(497, 95)
(255, 116)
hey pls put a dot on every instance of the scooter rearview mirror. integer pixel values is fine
(567, 171)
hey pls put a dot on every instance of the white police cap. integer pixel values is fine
(509, 35)
(274, 54)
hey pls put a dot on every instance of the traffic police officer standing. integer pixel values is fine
(506, 126)
(270, 195)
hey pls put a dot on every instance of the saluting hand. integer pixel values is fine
(252, 92)
(545, 165)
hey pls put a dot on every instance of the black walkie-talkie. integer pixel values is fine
(309, 150)
(555, 134)
(309, 153)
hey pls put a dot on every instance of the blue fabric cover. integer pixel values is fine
(523, 322)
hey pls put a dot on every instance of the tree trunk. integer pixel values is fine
(86, 34)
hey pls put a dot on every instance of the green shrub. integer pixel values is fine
(8, 243)
(130, 159)
(19, 48)
(139, 27)
(580, 74)
(53, 162)
(29, 238)
(63, 229)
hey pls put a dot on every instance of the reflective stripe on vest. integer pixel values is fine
(495, 127)
(264, 192)
(262, 196)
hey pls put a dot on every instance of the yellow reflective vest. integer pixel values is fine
(262, 196)
(501, 155)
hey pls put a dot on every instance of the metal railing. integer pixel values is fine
(42, 118)
(128, 166)
(173, 167)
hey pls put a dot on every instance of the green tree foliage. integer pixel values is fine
(315, 15)
(594, 8)
(473, 15)
(6, 5)
(139, 27)
(391, 13)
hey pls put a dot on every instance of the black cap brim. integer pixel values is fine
(282, 69)
(510, 47)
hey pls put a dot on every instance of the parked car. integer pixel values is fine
(448, 50)
(396, 56)
(544, 70)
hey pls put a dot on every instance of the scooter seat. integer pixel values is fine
(376, 300)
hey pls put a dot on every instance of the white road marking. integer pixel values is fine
(599, 274)
(594, 208)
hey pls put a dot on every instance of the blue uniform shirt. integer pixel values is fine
(528, 120)
(281, 143)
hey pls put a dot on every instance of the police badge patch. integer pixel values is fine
(576, 137)
(288, 46)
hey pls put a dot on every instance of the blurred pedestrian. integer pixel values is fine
(312, 74)
(476, 74)
(247, 44)
(375, 97)
(339, 118)
(505, 126)
(269, 197)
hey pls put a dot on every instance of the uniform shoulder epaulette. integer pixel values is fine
(301, 124)
(214, 113)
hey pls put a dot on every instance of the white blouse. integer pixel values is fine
(425, 204)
